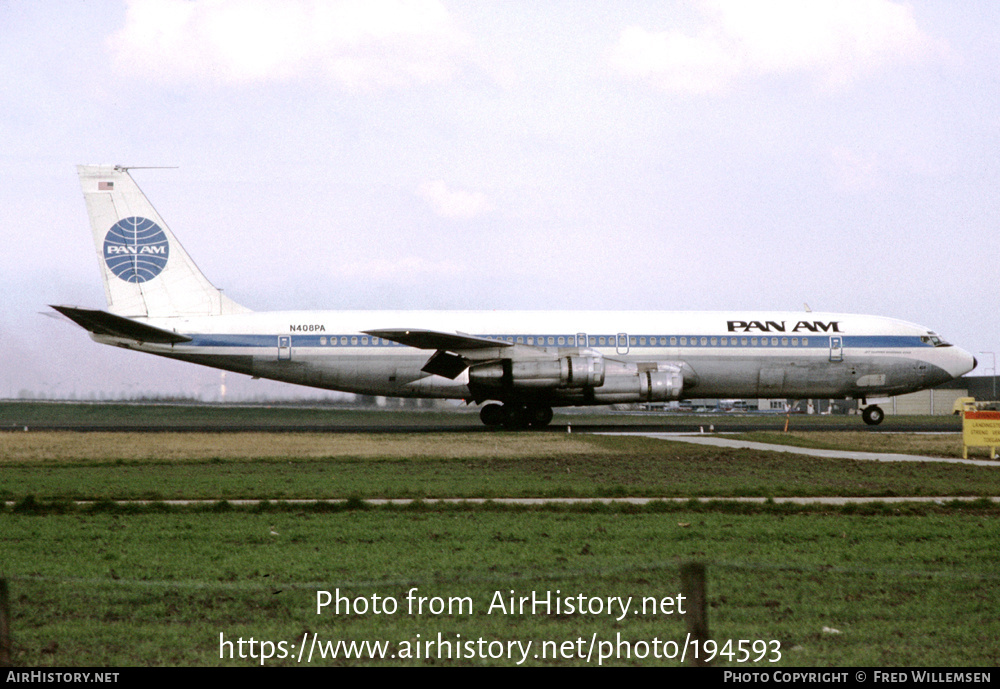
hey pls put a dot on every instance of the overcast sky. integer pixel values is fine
(689, 155)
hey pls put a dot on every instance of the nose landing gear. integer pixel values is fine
(873, 415)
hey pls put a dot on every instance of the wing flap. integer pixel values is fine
(104, 323)
(445, 364)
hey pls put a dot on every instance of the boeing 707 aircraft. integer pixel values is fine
(521, 363)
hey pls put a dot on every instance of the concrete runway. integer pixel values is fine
(473, 426)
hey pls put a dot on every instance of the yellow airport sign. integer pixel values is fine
(981, 429)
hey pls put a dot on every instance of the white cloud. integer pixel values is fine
(454, 203)
(834, 42)
(357, 43)
(860, 169)
(855, 171)
(398, 269)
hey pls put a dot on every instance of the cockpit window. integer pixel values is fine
(934, 340)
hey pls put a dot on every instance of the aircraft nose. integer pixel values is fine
(948, 363)
(960, 362)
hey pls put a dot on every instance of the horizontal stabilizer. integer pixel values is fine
(432, 339)
(104, 323)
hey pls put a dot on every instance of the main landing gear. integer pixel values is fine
(515, 415)
(873, 415)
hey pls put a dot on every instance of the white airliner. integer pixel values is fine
(527, 361)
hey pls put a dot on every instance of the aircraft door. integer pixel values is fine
(622, 343)
(836, 349)
(581, 340)
(284, 347)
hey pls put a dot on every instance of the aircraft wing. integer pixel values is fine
(104, 323)
(432, 339)
(443, 362)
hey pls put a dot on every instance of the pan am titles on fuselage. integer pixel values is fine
(521, 364)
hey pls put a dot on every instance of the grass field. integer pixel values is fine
(870, 587)
(908, 584)
(94, 466)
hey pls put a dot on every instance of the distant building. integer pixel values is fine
(939, 400)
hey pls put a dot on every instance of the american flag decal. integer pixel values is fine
(105, 186)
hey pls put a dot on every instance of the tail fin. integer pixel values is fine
(145, 269)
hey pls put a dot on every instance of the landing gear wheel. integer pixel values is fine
(539, 417)
(516, 417)
(492, 415)
(873, 415)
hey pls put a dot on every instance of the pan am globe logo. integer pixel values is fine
(136, 249)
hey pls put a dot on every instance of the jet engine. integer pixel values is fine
(564, 372)
(583, 379)
(657, 382)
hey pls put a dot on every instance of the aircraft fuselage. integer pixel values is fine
(719, 354)
(531, 361)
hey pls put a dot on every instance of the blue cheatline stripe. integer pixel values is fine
(202, 340)
(884, 341)
(635, 341)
